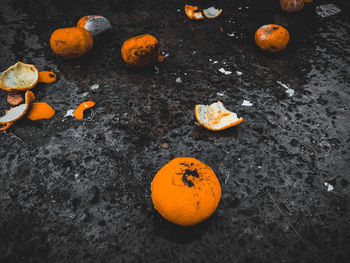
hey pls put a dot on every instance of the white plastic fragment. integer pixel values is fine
(95, 86)
(239, 73)
(97, 24)
(69, 114)
(247, 103)
(329, 187)
(226, 72)
(231, 35)
(215, 62)
(327, 10)
(178, 80)
(289, 91)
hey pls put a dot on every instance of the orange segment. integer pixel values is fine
(14, 98)
(40, 110)
(47, 77)
(216, 117)
(190, 12)
(79, 111)
(185, 191)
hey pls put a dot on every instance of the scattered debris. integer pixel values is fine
(289, 91)
(14, 98)
(231, 35)
(226, 72)
(329, 187)
(327, 10)
(239, 73)
(165, 145)
(215, 62)
(216, 117)
(95, 86)
(165, 54)
(212, 12)
(156, 69)
(247, 103)
(70, 113)
(178, 80)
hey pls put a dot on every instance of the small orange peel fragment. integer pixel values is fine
(14, 98)
(40, 110)
(47, 77)
(212, 12)
(79, 111)
(190, 12)
(216, 117)
(16, 113)
(6, 126)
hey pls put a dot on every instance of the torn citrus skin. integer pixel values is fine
(6, 126)
(14, 98)
(39, 111)
(141, 51)
(212, 12)
(19, 77)
(79, 111)
(185, 191)
(18, 112)
(216, 117)
(71, 42)
(47, 77)
(190, 12)
(292, 5)
(272, 38)
(95, 24)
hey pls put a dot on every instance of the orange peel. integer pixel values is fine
(6, 126)
(212, 12)
(14, 98)
(47, 77)
(16, 113)
(216, 117)
(19, 77)
(95, 24)
(190, 11)
(40, 110)
(79, 111)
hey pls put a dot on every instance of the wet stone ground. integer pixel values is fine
(79, 191)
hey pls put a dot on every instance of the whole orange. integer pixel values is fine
(185, 191)
(71, 42)
(141, 51)
(273, 38)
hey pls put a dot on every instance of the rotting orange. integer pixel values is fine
(216, 117)
(14, 98)
(18, 77)
(185, 191)
(191, 13)
(47, 77)
(141, 51)
(39, 111)
(79, 111)
(71, 42)
(273, 38)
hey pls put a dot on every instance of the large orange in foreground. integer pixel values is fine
(273, 38)
(71, 42)
(185, 191)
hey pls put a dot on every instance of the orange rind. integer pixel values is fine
(185, 191)
(40, 110)
(6, 126)
(14, 98)
(212, 12)
(47, 77)
(16, 113)
(216, 117)
(19, 77)
(79, 111)
(190, 11)
(95, 24)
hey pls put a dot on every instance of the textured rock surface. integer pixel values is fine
(79, 191)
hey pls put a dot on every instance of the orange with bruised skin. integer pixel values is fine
(14, 98)
(141, 51)
(47, 77)
(71, 42)
(19, 77)
(40, 110)
(191, 13)
(79, 111)
(216, 117)
(185, 191)
(292, 5)
(273, 38)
